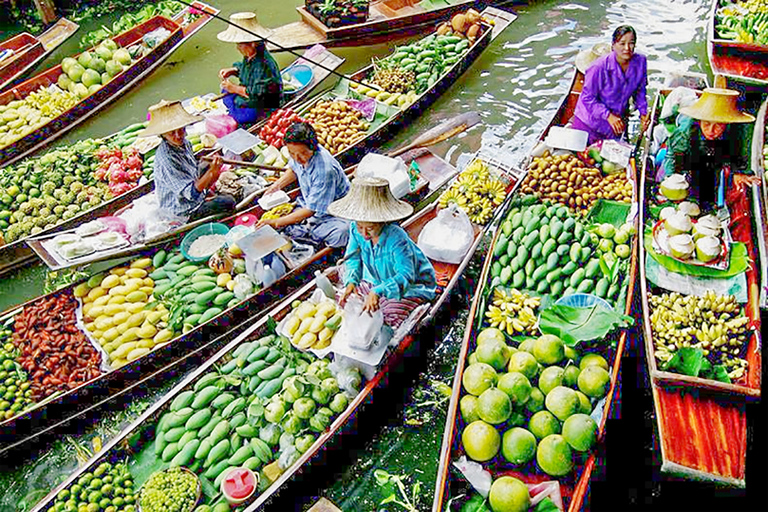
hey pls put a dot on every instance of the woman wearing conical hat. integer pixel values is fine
(706, 140)
(261, 86)
(382, 264)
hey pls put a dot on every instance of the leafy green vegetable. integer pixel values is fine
(691, 361)
(475, 504)
(574, 325)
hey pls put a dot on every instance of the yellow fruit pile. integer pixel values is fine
(476, 192)
(312, 325)
(278, 211)
(115, 313)
(513, 312)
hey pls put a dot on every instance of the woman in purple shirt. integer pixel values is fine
(609, 83)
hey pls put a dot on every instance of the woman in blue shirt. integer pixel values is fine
(382, 264)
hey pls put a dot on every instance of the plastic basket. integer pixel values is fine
(302, 73)
(212, 228)
(583, 300)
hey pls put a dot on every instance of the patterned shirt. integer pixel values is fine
(263, 84)
(395, 266)
(607, 89)
(322, 181)
(175, 173)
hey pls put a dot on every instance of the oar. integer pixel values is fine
(241, 163)
(441, 132)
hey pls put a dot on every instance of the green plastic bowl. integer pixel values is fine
(212, 228)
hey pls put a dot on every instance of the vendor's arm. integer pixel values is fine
(231, 88)
(283, 181)
(593, 81)
(296, 216)
(679, 147)
(640, 96)
(227, 72)
(353, 260)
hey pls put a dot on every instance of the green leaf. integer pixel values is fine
(256, 409)
(719, 373)
(381, 476)
(687, 361)
(574, 325)
(271, 324)
(739, 261)
(475, 504)
(388, 499)
(546, 505)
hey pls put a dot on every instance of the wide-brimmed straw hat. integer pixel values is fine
(585, 58)
(167, 116)
(370, 200)
(244, 22)
(717, 106)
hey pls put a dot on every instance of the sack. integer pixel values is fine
(447, 237)
(365, 326)
(391, 169)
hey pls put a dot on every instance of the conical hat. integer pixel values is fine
(370, 200)
(586, 57)
(167, 116)
(243, 23)
(717, 106)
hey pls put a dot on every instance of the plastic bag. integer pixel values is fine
(679, 97)
(266, 270)
(366, 326)
(447, 237)
(391, 169)
(146, 220)
(220, 125)
(348, 374)
(243, 286)
(287, 457)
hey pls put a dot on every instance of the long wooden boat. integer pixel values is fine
(387, 20)
(760, 197)
(111, 91)
(745, 62)
(452, 488)
(16, 254)
(141, 455)
(26, 51)
(60, 406)
(702, 424)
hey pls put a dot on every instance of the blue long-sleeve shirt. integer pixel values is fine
(395, 266)
(322, 181)
(175, 172)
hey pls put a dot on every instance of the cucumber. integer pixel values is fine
(173, 435)
(553, 275)
(585, 286)
(223, 298)
(601, 288)
(577, 277)
(206, 297)
(180, 417)
(569, 268)
(187, 270)
(552, 261)
(203, 286)
(214, 471)
(575, 252)
(518, 279)
(241, 455)
(188, 436)
(271, 372)
(160, 444)
(592, 268)
(273, 355)
(203, 449)
(536, 251)
(206, 380)
(237, 420)
(539, 273)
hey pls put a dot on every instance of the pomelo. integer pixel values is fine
(103, 52)
(64, 81)
(122, 56)
(594, 381)
(114, 68)
(571, 376)
(481, 441)
(523, 362)
(535, 402)
(516, 386)
(527, 345)
(562, 402)
(67, 63)
(585, 406)
(543, 424)
(105, 78)
(518, 446)
(580, 431)
(594, 360)
(81, 91)
(97, 64)
(550, 378)
(84, 58)
(490, 333)
(494, 406)
(494, 353)
(468, 407)
(548, 349)
(90, 77)
(508, 494)
(76, 71)
(109, 43)
(92, 89)
(571, 353)
(478, 377)
(554, 455)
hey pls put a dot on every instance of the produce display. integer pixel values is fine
(19, 118)
(278, 211)
(121, 169)
(465, 25)
(476, 192)
(93, 68)
(337, 13)
(570, 181)
(513, 312)
(337, 124)
(712, 328)
(174, 490)
(743, 21)
(109, 488)
(274, 129)
(15, 386)
(167, 8)
(313, 325)
(688, 237)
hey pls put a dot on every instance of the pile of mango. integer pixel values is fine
(313, 325)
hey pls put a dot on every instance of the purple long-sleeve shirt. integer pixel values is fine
(607, 89)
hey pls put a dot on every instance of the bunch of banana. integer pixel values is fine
(481, 210)
(278, 211)
(452, 196)
(513, 311)
(476, 192)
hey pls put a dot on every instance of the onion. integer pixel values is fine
(681, 246)
(708, 248)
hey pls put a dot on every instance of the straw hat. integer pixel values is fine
(586, 57)
(717, 106)
(167, 116)
(370, 200)
(246, 22)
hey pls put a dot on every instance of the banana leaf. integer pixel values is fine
(574, 325)
(738, 264)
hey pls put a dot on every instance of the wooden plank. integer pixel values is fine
(324, 505)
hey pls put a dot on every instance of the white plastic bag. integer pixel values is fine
(391, 169)
(365, 326)
(679, 97)
(447, 237)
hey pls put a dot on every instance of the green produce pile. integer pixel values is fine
(93, 69)
(15, 392)
(108, 489)
(743, 22)
(174, 490)
(165, 8)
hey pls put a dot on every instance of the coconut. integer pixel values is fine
(666, 212)
(710, 222)
(674, 187)
(681, 246)
(678, 223)
(708, 248)
(689, 208)
(459, 23)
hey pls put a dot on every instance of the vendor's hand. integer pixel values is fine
(216, 163)
(371, 303)
(268, 222)
(228, 86)
(741, 180)
(272, 189)
(616, 123)
(349, 290)
(644, 122)
(226, 73)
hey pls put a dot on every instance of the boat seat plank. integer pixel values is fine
(58, 33)
(297, 34)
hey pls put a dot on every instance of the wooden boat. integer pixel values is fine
(437, 171)
(448, 276)
(111, 91)
(452, 489)
(387, 19)
(25, 51)
(16, 254)
(745, 62)
(702, 423)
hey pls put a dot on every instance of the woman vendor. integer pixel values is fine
(705, 141)
(261, 86)
(609, 83)
(382, 264)
(321, 181)
(181, 184)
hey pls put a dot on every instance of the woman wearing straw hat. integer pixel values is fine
(610, 81)
(382, 264)
(261, 86)
(180, 183)
(705, 141)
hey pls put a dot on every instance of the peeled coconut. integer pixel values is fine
(91, 77)
(708, 248)
(689, 208)
(666, 212)
(122, 56)
(681, 246)
(678, 223)
(674, 187)
(710, 222)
